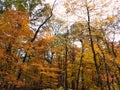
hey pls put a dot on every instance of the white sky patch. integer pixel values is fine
(49, 1)
(116, 37)
(78, 44)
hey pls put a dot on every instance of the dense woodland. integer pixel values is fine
(39, 51)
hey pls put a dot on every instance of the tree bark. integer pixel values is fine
(93, 49)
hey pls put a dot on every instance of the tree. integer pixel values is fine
(39, 51)
(14, 35)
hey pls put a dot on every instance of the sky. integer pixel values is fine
(59, 8)
(59, 11)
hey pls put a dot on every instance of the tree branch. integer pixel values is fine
(51, 14)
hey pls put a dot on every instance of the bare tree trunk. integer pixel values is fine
(93, 50)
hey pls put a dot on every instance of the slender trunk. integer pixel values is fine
(73, 73)
(113, 50)
(60, 79)
(82, 76)
(93, 50)
(66, 54)
(66, 60)
(73, 82)
(107, 75)
(106, 66)
(20, 71)
(80, 65)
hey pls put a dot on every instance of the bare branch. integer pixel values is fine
(51, 14)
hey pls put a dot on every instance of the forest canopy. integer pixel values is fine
(40, 49)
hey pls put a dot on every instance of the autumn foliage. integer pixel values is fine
(15, 43)
(50, 59)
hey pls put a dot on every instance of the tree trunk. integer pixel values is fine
(66, 82)
(80, 65)
(93, 50)
(106, 66)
